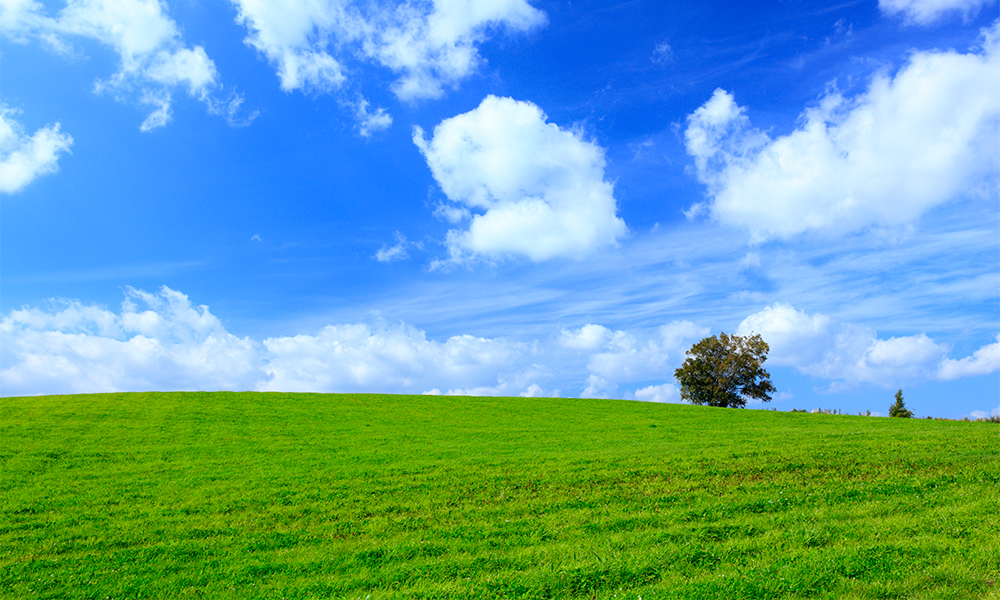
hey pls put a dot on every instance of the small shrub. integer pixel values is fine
(898, 409)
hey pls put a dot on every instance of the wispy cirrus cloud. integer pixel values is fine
(397, 251)
(926, 12)
(154, 60)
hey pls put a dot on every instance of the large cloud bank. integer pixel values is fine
(24, 157)
(429, 45)
(154, 61)
(912, 141)
(170, 345)
(527, 187)
(161, 341)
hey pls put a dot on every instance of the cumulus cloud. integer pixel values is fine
(911, 141)
(616, 357)
(588, 337)
(925, 12)
(161, 341)
(437, 48)
(514, 384)
(24, 157)
(156, 342)
(428, 45)
(666, 392)
(984, 361)
(400, 358)
(529, 187)
(295, 36)
(982, 414)
(154, 61)
(818, 345)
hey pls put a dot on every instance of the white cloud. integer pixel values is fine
(912, 141)
(982, 414)
(588, 337)
(161, 341)
(397, 252)
(294, 37)
(23, 157)
(429, 45)
(925, 12)
(790, 334)
(153, 57)
(439, 48)
(506, 386)
(843, 352)
(666, 392)
(535, 391)
(170, 345)
(616, 357)
(370, 122)
(663, 53)
(984, 361)
(537, 190)
(360, 357)
(451, 213)
(677, 336)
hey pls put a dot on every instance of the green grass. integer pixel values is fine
(245, 495)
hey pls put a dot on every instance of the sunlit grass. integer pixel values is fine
(251, 495)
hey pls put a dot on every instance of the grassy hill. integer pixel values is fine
(247, 495)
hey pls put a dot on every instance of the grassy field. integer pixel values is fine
(246, 495)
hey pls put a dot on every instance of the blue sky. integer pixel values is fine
(512, 197)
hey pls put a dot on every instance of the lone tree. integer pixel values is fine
(725, 370)
(898, 409)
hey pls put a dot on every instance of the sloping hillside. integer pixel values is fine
(250, 495)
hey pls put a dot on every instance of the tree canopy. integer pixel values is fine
(726, 370)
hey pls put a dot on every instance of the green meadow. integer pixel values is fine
(268, 495)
